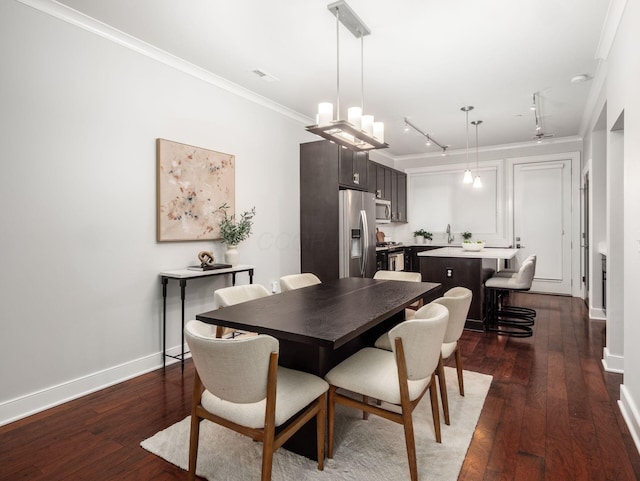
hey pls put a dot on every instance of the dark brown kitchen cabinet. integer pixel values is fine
(323, 171)
(399, 200)
(390, 184)
(353, 169)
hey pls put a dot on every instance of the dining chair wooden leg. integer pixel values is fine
(331, 409)
(193, 447)
(433, 394)
(320, 428)
(195, 426)
(459, 370)
(219, 331)
(410, 441)
(365, 400)
(443, 391)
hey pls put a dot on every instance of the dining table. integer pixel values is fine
(321, 325)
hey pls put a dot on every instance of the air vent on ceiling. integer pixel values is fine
(264, 75)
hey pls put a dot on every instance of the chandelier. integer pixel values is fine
(358, 132)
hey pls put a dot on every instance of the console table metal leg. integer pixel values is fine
(233, 279)
(164, 321)
(250, 276)
(183, 285)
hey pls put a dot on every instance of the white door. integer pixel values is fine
(542, 221)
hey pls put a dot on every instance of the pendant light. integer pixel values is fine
(477, 183)
(359, 132)
(468, 177)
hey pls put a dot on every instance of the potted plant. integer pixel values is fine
(233, 231)
(421, 235)
(469, 245)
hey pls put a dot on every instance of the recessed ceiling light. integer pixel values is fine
(579, 78)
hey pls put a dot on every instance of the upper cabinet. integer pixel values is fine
(399, 196)
(390, 184)
(353, 169)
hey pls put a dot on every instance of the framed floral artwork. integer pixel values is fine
(192, 184)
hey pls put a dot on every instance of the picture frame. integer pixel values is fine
(192, 184)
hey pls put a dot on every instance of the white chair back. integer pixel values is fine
(233, 370)
(297, 281)
(229, 296)
(398, 276)
(457, 300)
(422, 340)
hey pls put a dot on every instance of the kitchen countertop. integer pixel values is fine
(486, 253)
(390, 248)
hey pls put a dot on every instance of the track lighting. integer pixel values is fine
(430, 140)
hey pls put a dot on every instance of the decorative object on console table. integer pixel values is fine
(233, 232)
(188, 214)
(207, 263)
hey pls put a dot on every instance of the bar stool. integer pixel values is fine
(515, 311)
(512, 321)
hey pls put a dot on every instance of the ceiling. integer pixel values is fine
(424, 59)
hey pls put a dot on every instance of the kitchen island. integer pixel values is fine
(453, 266)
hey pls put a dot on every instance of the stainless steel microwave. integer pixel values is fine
(383, 211)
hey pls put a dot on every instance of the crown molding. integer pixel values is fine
(610, 28)
(80, 20)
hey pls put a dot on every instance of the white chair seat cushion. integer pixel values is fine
(383, 341)
(373, 372)
(295, 391)
(448, 348)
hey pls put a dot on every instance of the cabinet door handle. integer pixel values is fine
(356, 178)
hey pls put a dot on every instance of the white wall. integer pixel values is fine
(80, 298)
(623, 70)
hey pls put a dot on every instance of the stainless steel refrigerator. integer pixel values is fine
(357, 239)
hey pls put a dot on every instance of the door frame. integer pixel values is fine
(574, 158)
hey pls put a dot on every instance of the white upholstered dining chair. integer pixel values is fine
(406, 276)
(239, 385)
(400, 377)
(297, 281)
(230, 296)
(457, 300)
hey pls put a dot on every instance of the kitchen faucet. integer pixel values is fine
(449, 236)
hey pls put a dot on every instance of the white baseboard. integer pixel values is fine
(35, 402)
(597, 313)
(612, 363)
(630, 414)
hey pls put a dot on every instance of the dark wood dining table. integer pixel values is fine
(319, 326)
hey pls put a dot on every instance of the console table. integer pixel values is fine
(183, 275)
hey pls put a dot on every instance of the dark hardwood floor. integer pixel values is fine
(551, 414)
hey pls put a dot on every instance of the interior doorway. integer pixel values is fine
(542, 221)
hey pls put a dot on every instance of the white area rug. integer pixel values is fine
(372, 450)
